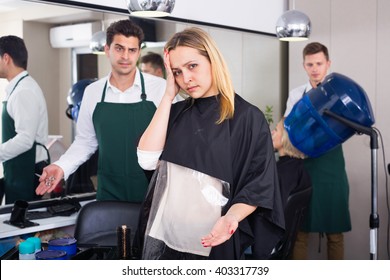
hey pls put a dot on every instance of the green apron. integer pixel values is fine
(119, 127)
(328, 211)
(18, 171)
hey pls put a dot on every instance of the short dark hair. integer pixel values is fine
(124, 27)
(154, 59)
(15, 48)
(314, 48)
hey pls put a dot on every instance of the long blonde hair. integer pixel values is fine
(200, 40)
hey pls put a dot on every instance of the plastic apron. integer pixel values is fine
(186, 205)
(18, 171)
(118, 128)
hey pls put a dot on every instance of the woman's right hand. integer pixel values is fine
(172, 88)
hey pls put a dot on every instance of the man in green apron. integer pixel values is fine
(114, 113)
(328, 212)
(24, 124)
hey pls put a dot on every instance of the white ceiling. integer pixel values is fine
(31, 11)
(9, 5)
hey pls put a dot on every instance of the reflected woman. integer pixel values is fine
(293, 176)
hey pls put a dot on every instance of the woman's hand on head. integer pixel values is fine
(172, 87)
(222, 231)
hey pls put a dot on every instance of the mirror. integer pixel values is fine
(257, 61)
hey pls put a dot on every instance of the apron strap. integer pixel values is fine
(18, 83)
(143, 93)
(47, 152)
(104, 92)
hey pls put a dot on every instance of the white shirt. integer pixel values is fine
(85, 143)
(148, 159)
(295, 95)
(27, 107)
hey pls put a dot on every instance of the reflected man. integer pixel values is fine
(152, 63)
(329, 207)
(24, 123)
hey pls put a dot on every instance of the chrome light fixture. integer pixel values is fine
(293, 25)
(150, 8)
(98, 41)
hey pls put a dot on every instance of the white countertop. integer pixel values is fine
(7, 230)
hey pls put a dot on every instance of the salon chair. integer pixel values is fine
(294, 211)
(97, 222)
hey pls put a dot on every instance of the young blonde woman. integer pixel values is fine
(215, 189)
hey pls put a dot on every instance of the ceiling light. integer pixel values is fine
(150, 8)
(98, 41)
(292, 26)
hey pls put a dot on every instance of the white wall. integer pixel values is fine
(260, 15)
(43, 66)
(357, 35)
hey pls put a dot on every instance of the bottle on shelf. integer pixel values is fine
(37, 243)
(26, 250)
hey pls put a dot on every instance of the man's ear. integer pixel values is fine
(329, 63)
(106, 49)
(160, 72)
(6, 58)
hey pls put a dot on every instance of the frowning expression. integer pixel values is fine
(123, 54)
(192, 72)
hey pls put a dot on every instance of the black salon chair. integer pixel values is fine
(296, 206)
(98, 220)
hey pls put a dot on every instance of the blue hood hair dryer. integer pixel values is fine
(75, 96)
(326, 117)
(310, 126)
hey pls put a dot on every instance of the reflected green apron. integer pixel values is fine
(329, 206)
(119, 127)
(18, 171)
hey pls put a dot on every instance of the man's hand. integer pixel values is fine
(50, 178)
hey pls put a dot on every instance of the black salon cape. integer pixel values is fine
(293, 176)
(238, 151)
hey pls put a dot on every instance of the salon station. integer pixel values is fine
(65, 42)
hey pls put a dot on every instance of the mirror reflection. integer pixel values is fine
(256, 62)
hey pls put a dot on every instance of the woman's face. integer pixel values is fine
(277, 134)
(192, 72)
